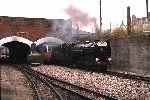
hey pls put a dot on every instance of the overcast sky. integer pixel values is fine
(113, 11)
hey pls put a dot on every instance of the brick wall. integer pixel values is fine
(25, 27)
(32, 28)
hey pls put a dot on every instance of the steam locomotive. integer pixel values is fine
(86, 55)
(39, 55)
(82, 54)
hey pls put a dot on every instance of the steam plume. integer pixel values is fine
(79, 17)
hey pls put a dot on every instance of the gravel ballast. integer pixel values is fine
(102, 83)
(14, 86)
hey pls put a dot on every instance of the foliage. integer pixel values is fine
(119, 32)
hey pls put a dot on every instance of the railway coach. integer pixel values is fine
(4, 54)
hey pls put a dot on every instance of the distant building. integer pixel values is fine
(136, 21)
(140, 24)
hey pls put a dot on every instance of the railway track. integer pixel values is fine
(128, 76)
(80, 90)
(66, 89)
(123, 75)
(49, 88)
(61, 89)
(42, 89)
(41, 83)
(34, 85)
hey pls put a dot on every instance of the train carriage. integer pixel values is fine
(4, 54)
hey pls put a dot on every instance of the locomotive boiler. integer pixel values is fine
(82, 54)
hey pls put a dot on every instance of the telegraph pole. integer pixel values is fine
(128, 20)
(100, 17)
(110, 27)
(147, 8)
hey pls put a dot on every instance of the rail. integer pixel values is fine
(75, 88)
(38, 77)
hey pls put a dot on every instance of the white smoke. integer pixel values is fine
(63, 29)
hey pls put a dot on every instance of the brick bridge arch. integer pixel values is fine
(15, 38)
(50, 40)
(28, 42)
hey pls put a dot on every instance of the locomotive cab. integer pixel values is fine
(34, 58)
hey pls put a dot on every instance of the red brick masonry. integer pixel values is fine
(30, 28)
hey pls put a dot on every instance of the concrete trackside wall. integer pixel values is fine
(131, 54)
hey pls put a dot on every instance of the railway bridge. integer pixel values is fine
(19, 47)
(19, 33)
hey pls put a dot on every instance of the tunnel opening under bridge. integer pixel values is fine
(18, 52)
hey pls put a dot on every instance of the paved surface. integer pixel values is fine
(14, 85)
